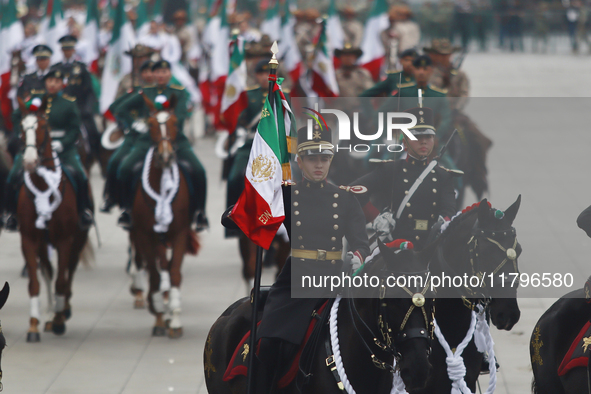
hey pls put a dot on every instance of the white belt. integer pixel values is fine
(57, 133)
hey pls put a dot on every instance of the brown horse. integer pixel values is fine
(152, 237)
(40, 227)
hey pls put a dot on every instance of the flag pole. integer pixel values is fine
(251, 380)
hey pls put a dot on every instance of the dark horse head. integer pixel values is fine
(404, 314)
(163, 128)
(482, 243)
(3, 297)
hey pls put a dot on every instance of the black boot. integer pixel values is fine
(85, 207)
(201, 222)
(10, 201)
(484, 368)
(108, 197)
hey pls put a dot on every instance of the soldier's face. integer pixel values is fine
(422, 147)
(422, 74)
(68, 52)
(162, 76)
(315, 167)
(147, 76)
(262, 78)
(42, 63)
(53, 85)
(406, 63)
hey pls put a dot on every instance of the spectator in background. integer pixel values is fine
(582, 24)
(515, 25)
(463, 18)
(541, 27)
(482, 23)
(572, 20)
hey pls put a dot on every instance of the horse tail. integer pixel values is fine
(193, 243)
(87, 255)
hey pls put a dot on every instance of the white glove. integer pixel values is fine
(384, 224)
(355, 260)
(57, 146)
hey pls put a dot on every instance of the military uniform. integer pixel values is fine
(389, 85)
(389, 184)
(63, 119)
(183, 149)
(79, 85)
(33, 83)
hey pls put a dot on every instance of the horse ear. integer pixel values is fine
(173, 102)
(511, 212)
(387, 254)
(4, 294)
(483, 209)
(149, 103)
(21, 105)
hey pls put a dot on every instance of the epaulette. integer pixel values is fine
(177, 87)
(406, 85)
(68, 97)
(354, 189)
(453, 172)
(435, 88)
(252, 87)
(393, 72)
(37, 91)
(454, 72)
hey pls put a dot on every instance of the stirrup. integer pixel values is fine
(201, 222)
(124, 220)
(86, 219)
(107, 205)
(10, 223)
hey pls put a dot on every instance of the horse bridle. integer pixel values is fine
(41, 148)
(483, 235)
(387, 344)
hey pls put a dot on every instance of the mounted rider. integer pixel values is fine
(78, 84)
(64, 126)
(393, 78)
(133, 126)
(321, 214)
(33, 83)
(409, 195)
(163, 90)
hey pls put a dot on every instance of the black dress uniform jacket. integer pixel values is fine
(31, 84)
(79, 85)
(321, 214)
(388, 185)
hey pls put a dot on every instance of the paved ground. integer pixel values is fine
(108, 348)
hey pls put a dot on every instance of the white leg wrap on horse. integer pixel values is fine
(139, 279)
(164, 281)
(35, 307)
(175, 321)
(60, 303)
(174, 299)
(158, 301)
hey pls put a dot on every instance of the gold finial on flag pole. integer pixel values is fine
(273, 63)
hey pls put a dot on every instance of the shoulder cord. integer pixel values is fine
(169, 185)
(43, 206)
(456, 370)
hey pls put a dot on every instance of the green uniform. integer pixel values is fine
(63, 118)
(388, 85)
(183, 149)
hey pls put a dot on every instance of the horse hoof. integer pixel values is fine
(139, 304)
(33, 337)
(58, 329)
(175, 333)
(158, 331)
(67, 313)
(48, 327)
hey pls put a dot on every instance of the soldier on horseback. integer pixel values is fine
(64, 127)
(321, 214)
(161, 93)
(412, 193)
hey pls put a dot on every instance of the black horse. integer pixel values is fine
(551, 339)
(479, 241)
(3, 297)
(394, 327)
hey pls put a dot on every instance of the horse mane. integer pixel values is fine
(458, 220)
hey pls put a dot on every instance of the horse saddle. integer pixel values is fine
(238, 365)
(579, 352)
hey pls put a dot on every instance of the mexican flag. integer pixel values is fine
(90, 35)
(272, 23)
(117, 64)
(11, 34)
(235, 99)
(218, 35)
(53, 27)
(324, 81)
(371, 45)
(291, 59)
(259, 211)
(336, 36)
